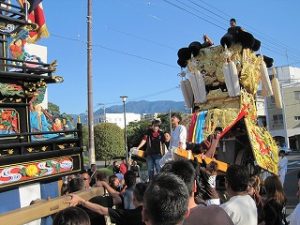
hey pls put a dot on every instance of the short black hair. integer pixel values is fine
(72, 216)
(166, 200)
(139, 191)
(237, 177)
(232, 20)
(130, 178)
(156, 123)
(219, 129)
(101, 176)
(76, 184)
(177, 115)
(196, 109)
(112, 178)
(83, 172)
(183, 169)
(213, 166)
(282, 152)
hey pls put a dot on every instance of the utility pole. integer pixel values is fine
(90, 85)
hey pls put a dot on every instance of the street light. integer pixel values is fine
(124, 98)
(104, 113)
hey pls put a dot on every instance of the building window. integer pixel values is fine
(297, 95)
(278, 118)
(297, 117)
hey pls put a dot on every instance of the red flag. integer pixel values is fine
(36, 16)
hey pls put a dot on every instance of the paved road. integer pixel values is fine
(290, 184)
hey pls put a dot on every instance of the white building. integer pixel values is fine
(118, 118)
(284, 124)
(261, 112)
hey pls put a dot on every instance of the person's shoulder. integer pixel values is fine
(219, 214)
(149, 131)
(182, 127)
(295, 215)
(202, 214)
(226, 205)
(247, 198)
(116, 215)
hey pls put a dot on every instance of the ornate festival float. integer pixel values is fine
(221, 83)
(37, 147)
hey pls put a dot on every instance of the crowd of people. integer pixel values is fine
(172, 197)
(177, 191)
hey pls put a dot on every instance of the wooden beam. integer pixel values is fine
(46, 208)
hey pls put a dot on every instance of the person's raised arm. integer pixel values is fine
(110, 190)
(143, 142)
(76, 200)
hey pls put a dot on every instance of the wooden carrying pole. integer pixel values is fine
(42, 209)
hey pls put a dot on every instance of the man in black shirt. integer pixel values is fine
(154, 139)
(117, 216)
(234, 29)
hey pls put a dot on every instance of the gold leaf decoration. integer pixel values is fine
(10, 151)
(61, 147)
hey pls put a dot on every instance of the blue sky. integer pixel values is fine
(124, 31)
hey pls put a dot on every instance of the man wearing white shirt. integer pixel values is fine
(241, 208)
(295, 216)
(282, 166)
(178, 132)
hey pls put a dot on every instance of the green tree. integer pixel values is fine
(53, 108)
(136, 131)
(165, 122)
(109, 141)
(85, 135)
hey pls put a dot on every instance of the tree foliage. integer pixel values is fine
(85, 135)
(165, 122)
(53, 108)
(136, 130)
(109, 141)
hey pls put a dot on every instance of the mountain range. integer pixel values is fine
(146, 107)
(140, 107)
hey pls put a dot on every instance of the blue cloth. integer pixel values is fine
(39, 123)
(120, 176)
(128, 198)
(153, 162)
(200, 127)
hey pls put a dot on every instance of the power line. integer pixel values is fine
(145, 96)
(117, 51)
(143, 39)
(186, 5)
(181, 8)
(274, 42)
(156, 93)
(134, 55)
(187, 11)
(221, 17)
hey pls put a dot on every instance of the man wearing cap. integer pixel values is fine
(178, 132)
